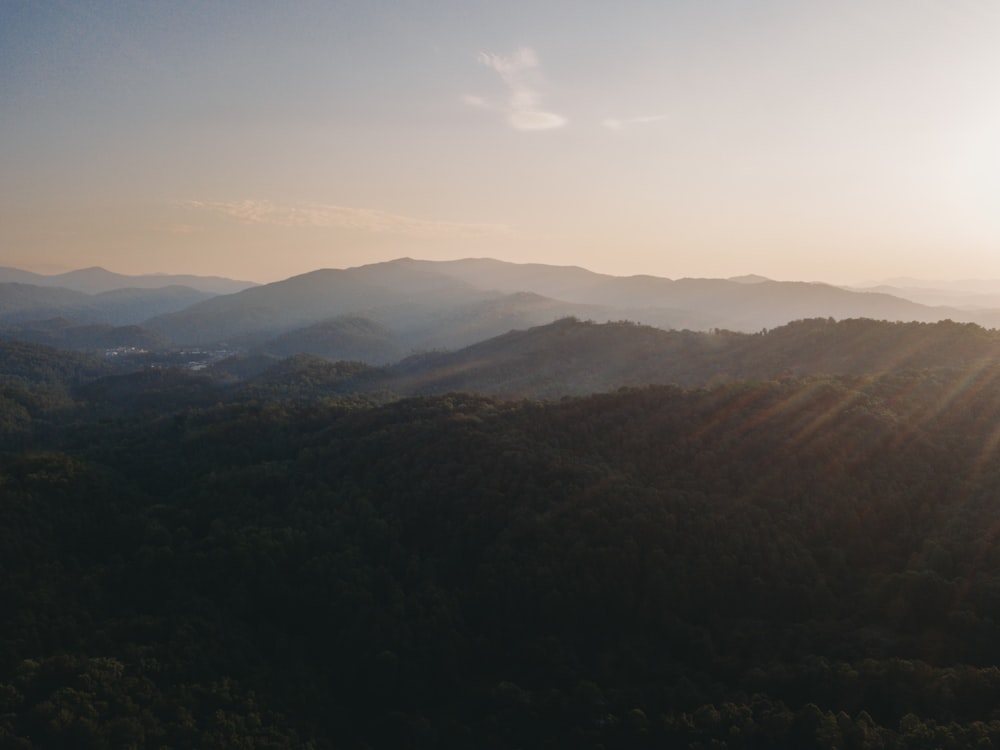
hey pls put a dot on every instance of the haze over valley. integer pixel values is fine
(406, 306)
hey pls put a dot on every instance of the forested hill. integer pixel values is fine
(797, 563)
(570, 357)
(26, 303)
(425, 304)
(37, 384)
(565, 358)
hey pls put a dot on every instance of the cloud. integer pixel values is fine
(535, 120)
(345, 217)
(522, 108)
(616, 124)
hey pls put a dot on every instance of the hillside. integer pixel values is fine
(564, 358)
(713, 303)
(420, 309)
(260, 313)
(344, 338)
(570, 357)
(432, 305)
(21, 303)
(804, 563)
(97, 280)
(449, 304)
(63, 334)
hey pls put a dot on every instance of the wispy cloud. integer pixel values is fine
(616, 124)
(346, 217)
(522, 109)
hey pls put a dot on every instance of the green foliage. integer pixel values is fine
(344, 338)
(793, 562)
(573, 358)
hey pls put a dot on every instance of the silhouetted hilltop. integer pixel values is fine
(570, 357)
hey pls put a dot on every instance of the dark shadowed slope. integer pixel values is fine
(804, 563)
(63, 334)
(570, 357)
(344, 338)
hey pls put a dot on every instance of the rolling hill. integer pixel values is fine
(63, 334)
(96, 280)
(27, 302)
(689, 303)
(572, 358)
(431, 305)
(345, 338)
(421, 308)
(448, 304)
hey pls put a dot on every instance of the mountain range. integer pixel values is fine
(573, 358)
(21, 303)
(95, 280)
(383, 312)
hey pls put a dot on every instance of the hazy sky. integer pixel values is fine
(800, 139)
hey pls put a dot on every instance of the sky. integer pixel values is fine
(834, 140)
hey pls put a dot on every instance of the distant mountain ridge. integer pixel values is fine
(422, 308)
(956, 296)
(972, 286)
(96, 280)
(448, 304)
(419, 305)
(746, 303)
(20, 302)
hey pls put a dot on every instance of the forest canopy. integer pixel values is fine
(805, 560)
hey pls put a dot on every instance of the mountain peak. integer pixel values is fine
(750, 278)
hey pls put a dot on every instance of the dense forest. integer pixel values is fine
(792, 552)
